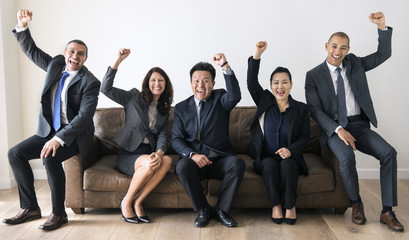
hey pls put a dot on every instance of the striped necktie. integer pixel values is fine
(57, 102)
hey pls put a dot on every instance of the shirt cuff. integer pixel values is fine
(228, 71)
(337, 129)
(20, 29)
(59, 140)
(190, 155)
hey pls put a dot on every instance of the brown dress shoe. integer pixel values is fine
(23, 216)
(390, 219)
(358, 215)
(54, 222)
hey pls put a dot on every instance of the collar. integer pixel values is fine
(72, 73)
(291, 102)
(332, 68)
(197, 101)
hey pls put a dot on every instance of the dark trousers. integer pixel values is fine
(371, 143)
(19, 157)
(229, 169)
(280, 173)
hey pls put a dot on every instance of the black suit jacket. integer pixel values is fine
(136, 126)
(320, 91)
(215, 127)
(298, 125)
(81, 97)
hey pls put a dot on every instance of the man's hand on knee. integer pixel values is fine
(346, 137)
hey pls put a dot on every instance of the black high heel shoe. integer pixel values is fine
(290, 221)
(277, 220)
(144, 219)
(133, 219)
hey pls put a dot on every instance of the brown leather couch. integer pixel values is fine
(94, 182)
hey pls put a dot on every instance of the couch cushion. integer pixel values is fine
(104, 176)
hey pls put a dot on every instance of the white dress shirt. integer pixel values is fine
(351, 104)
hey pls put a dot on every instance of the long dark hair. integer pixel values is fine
(166, 98)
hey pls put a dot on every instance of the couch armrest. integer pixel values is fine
(74, 168)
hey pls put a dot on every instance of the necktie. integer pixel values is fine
(342, 108)
(57, 102)
(201, 105)
(199, 120)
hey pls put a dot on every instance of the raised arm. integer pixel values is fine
(117, 95)
(253, 84)
(26, 42)
(384, 50)
(233, 96)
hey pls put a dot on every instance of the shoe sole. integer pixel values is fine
(53, 228)
(396, 230)
(25, 220)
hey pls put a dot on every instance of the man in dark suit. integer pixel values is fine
(200, 136)
(338, 98)
(65, 128)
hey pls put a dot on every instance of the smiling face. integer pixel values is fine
(157, 85)
(202, 84)
(337, 48)
(281, 86)
(75, 56)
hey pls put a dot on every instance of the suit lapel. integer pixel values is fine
(191, 109)
(327, 76)
(292, 114)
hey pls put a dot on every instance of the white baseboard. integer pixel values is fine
(7, 183)
(373, 173)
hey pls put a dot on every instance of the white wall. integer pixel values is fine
(177, 34)
(10, 99)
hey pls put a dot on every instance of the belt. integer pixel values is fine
(354, 118)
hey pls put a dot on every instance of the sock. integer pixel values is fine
(386, 209)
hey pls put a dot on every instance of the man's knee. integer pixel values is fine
(13, 155)
(237, 165)
(184, 166)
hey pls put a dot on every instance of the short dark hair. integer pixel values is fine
(166, 98)
(339, 34)
(203, 66)
(280, 70)
(78, 42)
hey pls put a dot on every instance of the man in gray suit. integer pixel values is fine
(65, 128)
(338, 98)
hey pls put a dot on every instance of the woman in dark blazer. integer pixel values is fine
(143, 139)
(279, 132)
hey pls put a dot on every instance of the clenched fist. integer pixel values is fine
(379, 19)
(23, 17)
(260, 48)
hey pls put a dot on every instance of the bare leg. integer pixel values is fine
(277, 212)
(291, 213)
(141, 175)
(157, 176)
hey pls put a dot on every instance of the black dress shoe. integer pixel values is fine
(225, 218)
(133, 219)
(203, 218)
(144, 219)
(23, 216)
(277, 220)
(54, 222)
(290, 221)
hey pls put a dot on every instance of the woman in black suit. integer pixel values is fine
(279, 132)
(143, 139)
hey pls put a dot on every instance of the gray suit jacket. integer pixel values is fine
(81, 97)
(136, 126)
(320, 92)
